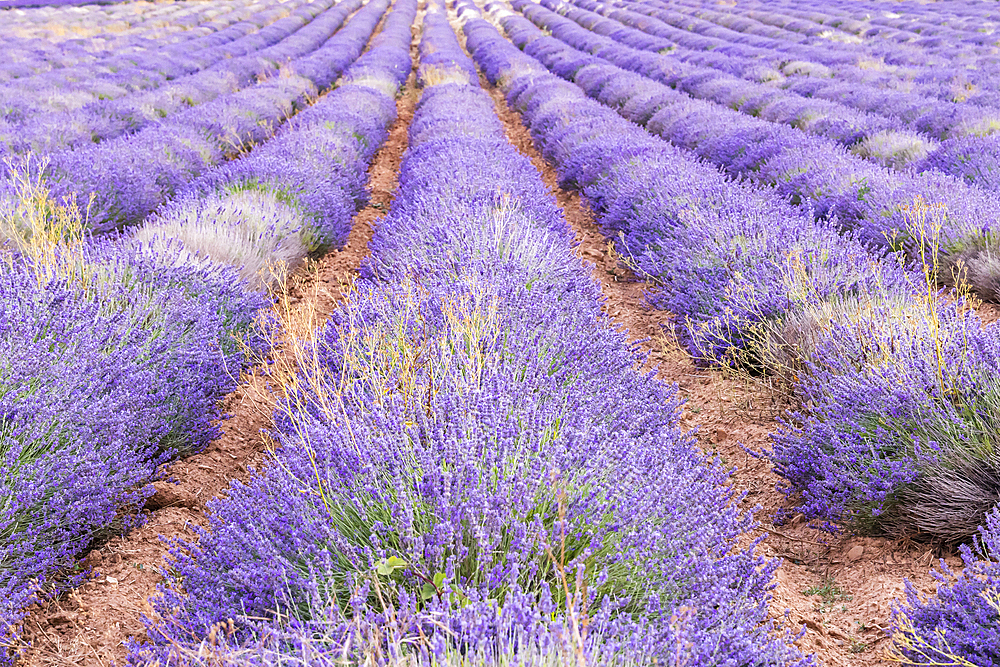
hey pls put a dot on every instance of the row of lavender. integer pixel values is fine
(117, 351)
(935, 30)
(870, 201)
(81, 28)
(4, 4)
(30, 48)
(855, 81)
(899, 381)
(123, 180)
(73, 63)
(77, 106)
(897, 129)
(470, 467)
(933, 74)
(919, 25)
(934, 246)
(786, 280)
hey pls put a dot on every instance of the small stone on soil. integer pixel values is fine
(170, 495)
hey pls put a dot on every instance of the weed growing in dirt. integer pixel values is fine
(829, 592)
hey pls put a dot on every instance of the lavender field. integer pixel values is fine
(500, 333)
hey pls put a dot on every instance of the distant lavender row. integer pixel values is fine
(934, 28)
(89, 29)
(939, 119)
(773, 61)
(865, 198)
(197, 76)
(138, 54)
(128, 177)
(25, 55)
(182, 293)
(832, 120)
(91, 22)
(932, 75)
(830, 117)
(447, 487)
(892, 140)
(30, 47)
(911, 34)
(7, 4)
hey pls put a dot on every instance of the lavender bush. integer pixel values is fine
(958, 625)
(114, 362)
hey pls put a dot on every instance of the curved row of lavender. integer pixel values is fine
(877, 391)
(894, 128)
(934, 75)
(116, 365)
(866, 85)
(27, 53)
(123, 180)
(467, 427)
(869, 200)
(223, 63)
(141, 57)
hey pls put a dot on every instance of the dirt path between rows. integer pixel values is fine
(839, 588)
(90, 625)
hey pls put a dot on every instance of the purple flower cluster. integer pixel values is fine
(960, 622)
(123, 180)
(467, 444)
(102, 381)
